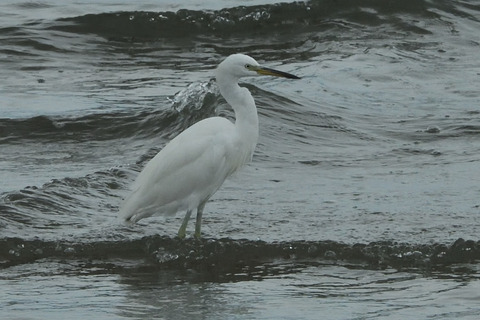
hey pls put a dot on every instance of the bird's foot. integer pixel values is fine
(181, 234)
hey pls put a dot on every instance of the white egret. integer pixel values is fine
(191, 167)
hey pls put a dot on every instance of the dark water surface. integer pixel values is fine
(362, 200)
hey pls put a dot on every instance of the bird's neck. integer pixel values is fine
(240, 99)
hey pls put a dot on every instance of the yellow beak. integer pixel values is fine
(272, 72)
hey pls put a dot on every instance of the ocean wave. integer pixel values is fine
(229, 255)
(63, 202)
(198, 101)
(93, 126)
(294, 17)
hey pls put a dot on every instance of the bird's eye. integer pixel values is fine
(247, 66)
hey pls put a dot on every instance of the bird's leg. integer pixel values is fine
(183, 228)
(198, 223)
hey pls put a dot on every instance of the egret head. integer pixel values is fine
(240, 65)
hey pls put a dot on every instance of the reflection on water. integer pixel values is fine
(335, 292)
(301, 291)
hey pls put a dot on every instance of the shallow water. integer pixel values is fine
(371, 160)
(333, 292)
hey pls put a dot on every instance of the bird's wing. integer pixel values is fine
(187, 171)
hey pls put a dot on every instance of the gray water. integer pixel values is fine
(361, 201)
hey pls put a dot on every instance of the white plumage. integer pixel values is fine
(191, 168)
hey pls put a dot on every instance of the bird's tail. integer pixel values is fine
(128, 212)
(133, 208)
(127, 216)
